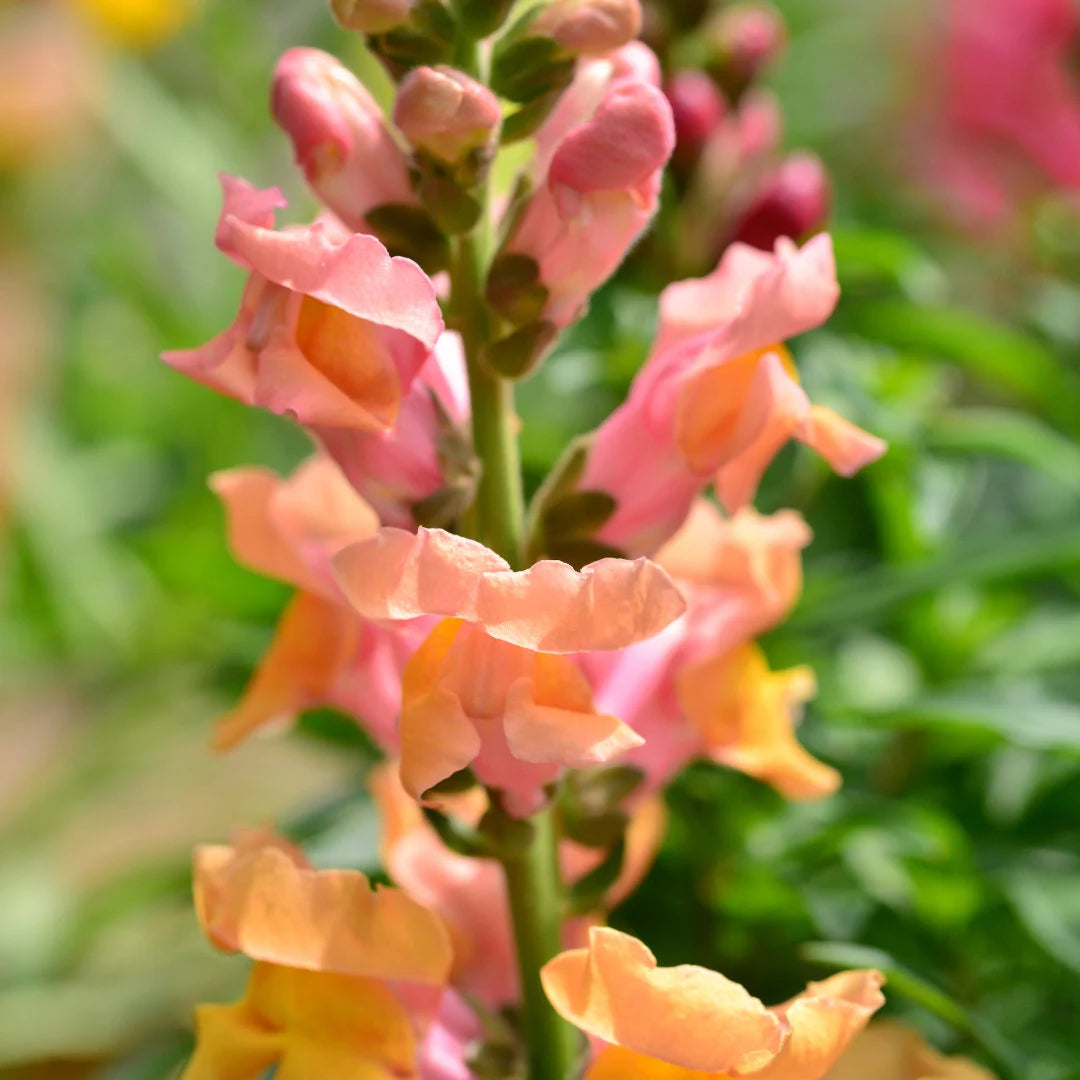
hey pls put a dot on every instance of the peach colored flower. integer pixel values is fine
(445, 112)
(700, 688)
(719, 396)
(597, 171)
(888, 1050)
(260, 897)
(331, 330)
(340, 136)
(322, 652)
(590, 26)
(688, 1023)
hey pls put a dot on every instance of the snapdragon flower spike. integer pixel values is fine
(425, 461)
(346, 978)
(469, 892)
(349, 156)
(597, 171)
(896, 1052)
(488, 687)
(322, 653)
(719, 396)
(689, 1023)
(446, 113)
(701, 689)
(331, 329)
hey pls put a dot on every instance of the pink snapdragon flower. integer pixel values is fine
(597, 172)
(341, 139)
(322, 653)
(331, 330)
(590, 27)
(719, 396)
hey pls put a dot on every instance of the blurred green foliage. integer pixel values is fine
(941, 610)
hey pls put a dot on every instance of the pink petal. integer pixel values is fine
(844, 446)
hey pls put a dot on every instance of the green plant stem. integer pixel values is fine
(499, 511)
(532, 885)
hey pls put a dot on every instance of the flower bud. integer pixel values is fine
(744, 39)
(445, 113)
(371, 16)
(697, 105)
(341, 139)
(794, 201)
(590, 26)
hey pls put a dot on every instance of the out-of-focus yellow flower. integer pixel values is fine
(139, 24)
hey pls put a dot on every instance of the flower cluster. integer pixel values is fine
(533, 682)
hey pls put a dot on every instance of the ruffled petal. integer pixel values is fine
(262, 899)
(686, 1016)
(889, 1050)
(550, 607)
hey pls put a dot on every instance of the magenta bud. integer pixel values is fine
(372, 16)
(590, 26)
(446, 113)
(697, 105)
(794, 201)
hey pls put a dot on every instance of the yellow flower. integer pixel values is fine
(138, 24)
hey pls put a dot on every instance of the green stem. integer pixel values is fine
(532, 884)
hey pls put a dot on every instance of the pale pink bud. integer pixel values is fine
(590, 26)
(446, 113)
(697, 105)
(371, 16)
(794, 201)
(341, 139)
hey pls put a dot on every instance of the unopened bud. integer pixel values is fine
(794, 201)
(372, 16)
(341, 140)
(446, 113)
(697, 105)
(590, 26)
(744, 39)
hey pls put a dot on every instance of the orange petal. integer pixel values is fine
(550, 607)
(824, 1019)
(615, 1063)
(844, 446)
(685, 1016)
(746, 714)
(266, 902)
(550, 719)
(888, 1050)
(308, 1024)
(314, 641)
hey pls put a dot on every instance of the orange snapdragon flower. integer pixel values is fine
(346, 977)
(888, 1050)
(688, 1023)
(489, 688)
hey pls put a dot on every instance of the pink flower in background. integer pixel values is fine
(719, 395)
(340, 136)
(331, 329)
(597, 174)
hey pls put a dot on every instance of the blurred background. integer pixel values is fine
(942, 602)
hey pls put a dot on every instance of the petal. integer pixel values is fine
(823, 1021)
(550, 607)
(267, 903)
(844, 446)
(685, 1016)
(774, 407)
(752, 299)
(231, 1044)
(550, 719)
(314, 642)
(615, 1063)
(891, 1051)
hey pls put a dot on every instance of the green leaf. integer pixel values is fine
(587, 893)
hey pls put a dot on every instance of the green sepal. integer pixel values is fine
(524, 69)
(453, 210)
(577, 514)
(410, 231)
(514, 288)
(457, 837)
(517, 354)
(588, 893)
